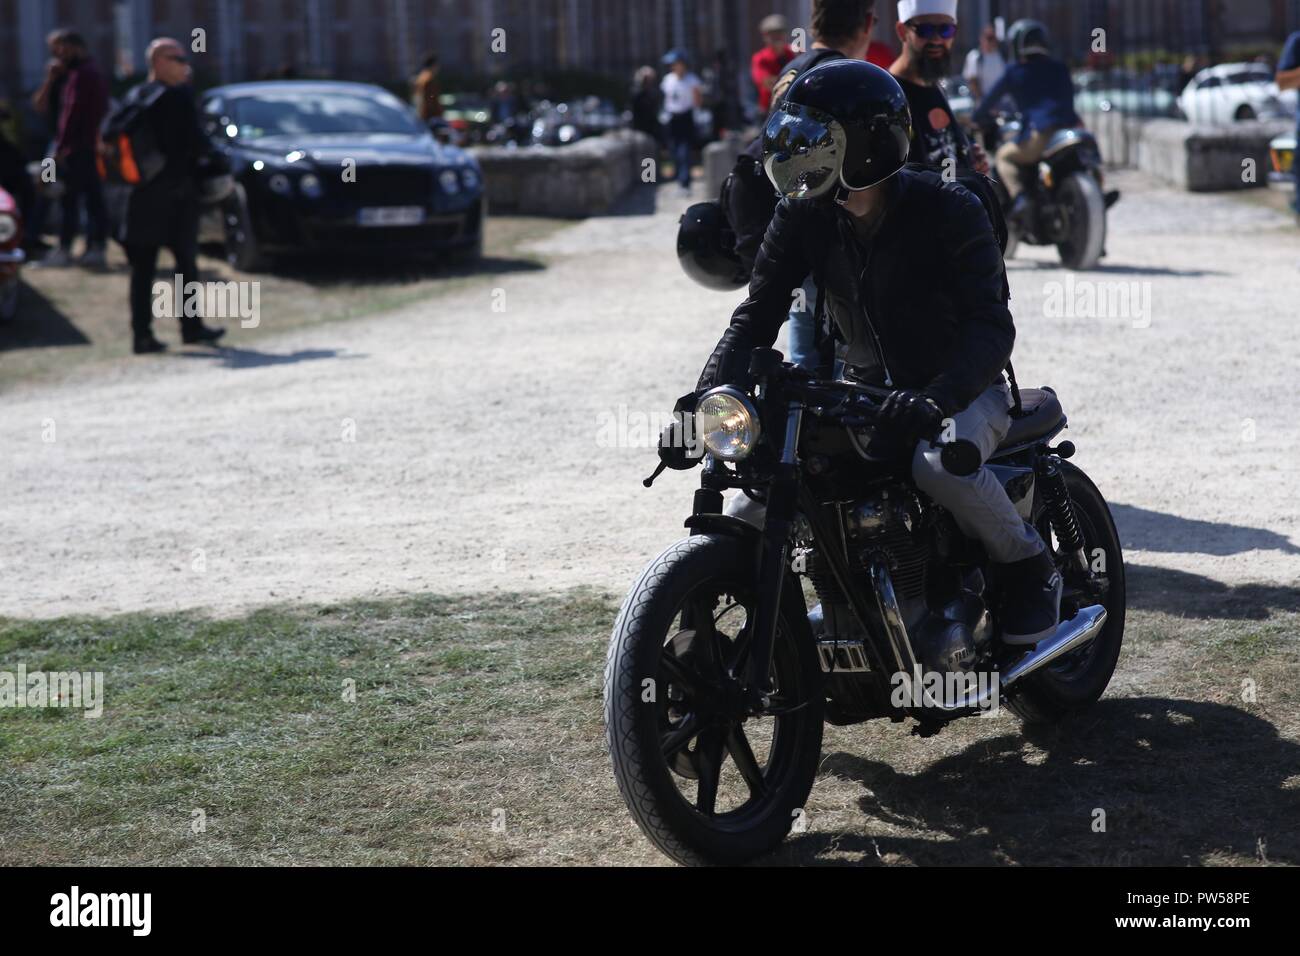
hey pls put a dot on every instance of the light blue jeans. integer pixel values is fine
(978, 502)
(802, 331)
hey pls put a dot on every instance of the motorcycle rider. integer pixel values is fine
(1044, 93)
(913, 279)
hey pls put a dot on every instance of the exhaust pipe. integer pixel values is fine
(1070, 635)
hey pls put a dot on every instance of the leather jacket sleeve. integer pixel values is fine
(780, 268)
(985, 331)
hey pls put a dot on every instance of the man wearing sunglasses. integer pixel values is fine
(165, 210)
(927, 29)
(914, 289)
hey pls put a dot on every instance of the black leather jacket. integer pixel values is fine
(925, 304)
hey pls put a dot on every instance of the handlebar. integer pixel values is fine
(853, 405)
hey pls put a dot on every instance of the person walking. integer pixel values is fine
(165, 210)
(82, 106)
(683, 95)
(984, 64)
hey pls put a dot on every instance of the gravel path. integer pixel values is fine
(453, 447)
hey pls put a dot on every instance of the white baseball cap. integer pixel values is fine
(911, 9)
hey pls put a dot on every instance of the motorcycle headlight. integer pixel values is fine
(8, 227)
(450, 181)
(310, 186)
(727, 423)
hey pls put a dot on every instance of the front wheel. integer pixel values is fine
(243, 252)
(1085, 222)
(708, 779)
(1078, 679)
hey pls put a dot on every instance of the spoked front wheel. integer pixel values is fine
(710, 775)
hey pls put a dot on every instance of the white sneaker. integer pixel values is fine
(54, 259)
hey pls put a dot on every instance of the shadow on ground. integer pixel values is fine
(1192, 596)
(330, 269)
(1144, 530)
(235, 358)
(38, 324)
(1179, 781)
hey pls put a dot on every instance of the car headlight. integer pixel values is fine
(279, 184)
(8, 227)
(310, 186)
(449, 181)
(727, 423)
(469, 179)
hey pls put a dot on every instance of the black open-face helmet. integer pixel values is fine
(843, 124)
(706, 248)
(1028, 38)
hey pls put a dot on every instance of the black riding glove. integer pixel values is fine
(911, 415)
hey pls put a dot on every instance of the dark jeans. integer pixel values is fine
(144, 264)
(681, 137)
(82, 184)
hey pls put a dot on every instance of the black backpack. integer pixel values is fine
(128, 152)
(747, 198)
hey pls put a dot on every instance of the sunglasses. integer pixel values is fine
(178, 59)
(931, 31)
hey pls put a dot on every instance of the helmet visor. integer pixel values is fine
(803, 151)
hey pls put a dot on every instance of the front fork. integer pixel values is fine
(774, 559)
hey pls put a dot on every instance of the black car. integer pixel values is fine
(339, 166)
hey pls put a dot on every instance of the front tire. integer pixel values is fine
(243, 252)
(704, 786)
(1078, 680)
(1085, 208)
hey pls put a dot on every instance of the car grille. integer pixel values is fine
(390, 186)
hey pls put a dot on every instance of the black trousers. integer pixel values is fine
(143, 257)
(82, 184)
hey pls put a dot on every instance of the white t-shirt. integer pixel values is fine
(987, 70)
(679, 92)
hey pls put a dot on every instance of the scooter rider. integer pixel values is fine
(913, 280)
(1044, 93)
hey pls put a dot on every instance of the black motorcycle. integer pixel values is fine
(1066, 198)
(719, 678)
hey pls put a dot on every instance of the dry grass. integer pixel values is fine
(475, 712)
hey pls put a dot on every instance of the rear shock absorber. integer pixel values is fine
(1060, 509)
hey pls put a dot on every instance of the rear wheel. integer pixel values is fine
(708, 780)
(1244, 113)
(1078, 679)
(1085, 222)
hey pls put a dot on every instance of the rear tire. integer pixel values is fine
(637, 730)
(1079, 679)
(1086, 207)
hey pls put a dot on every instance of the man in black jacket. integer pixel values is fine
(913, 280)
(165, 210)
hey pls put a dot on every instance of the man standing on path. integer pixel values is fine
(165, 210)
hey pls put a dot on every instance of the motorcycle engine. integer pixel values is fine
(949, 626)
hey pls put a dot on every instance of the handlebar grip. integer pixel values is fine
(961, 458)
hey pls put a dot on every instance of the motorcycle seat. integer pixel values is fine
(1042, 415)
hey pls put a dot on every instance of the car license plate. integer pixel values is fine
(391, 216)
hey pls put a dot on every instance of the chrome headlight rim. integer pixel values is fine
(740, 403)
